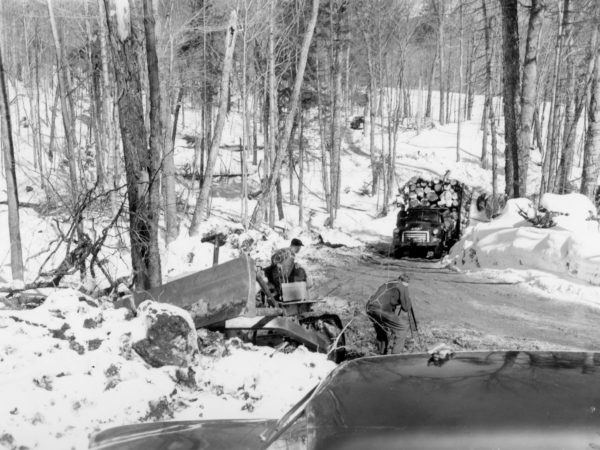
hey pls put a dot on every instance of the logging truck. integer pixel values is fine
(433, 213)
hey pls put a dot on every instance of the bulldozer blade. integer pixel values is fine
(211, 296)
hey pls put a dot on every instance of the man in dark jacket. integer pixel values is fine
(283, 267)
(390, 309)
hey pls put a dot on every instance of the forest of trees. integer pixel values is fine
(103, 86)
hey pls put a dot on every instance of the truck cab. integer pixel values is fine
(430, 229)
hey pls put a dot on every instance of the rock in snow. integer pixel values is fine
(171, 338)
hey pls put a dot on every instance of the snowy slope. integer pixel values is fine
(563, 260)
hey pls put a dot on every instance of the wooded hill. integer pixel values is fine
(102, 87)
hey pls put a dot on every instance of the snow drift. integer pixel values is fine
(572, 246)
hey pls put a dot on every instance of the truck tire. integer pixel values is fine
(438, 251)
(399, 253)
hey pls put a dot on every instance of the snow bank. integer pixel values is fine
(68, 369)
(571, 247)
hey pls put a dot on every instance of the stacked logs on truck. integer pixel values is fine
(448, 194)
(432, 193)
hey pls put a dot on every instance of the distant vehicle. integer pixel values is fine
(357, 123)
(483, 400)
(432, 216)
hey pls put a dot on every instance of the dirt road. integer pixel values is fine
(451, 307)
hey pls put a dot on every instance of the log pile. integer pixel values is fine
(447, 194)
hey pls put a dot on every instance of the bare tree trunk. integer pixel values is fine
(171, 220)
(489, 52)
(371, 115)
(448, 88)
(301, 170)
(269, 182)
(396, 118)
(510, 26)
(537, 130)
(37, 111)
(95, 102)
(551, 149)
(291, 172)
(52, 138)
(529, 92)
(337, 105)
(579, 100)
(247, 143)
(460, 84)
(324, 168)
(346, 101)
(33, 104)
(279, 200)
(484, 125)
(430, 84)
(470, 84)
(441, 43)
(156, 130)
(591, 151)
(337, 135)
(201, 209)
(107, 109)
(272, 92)
(419, 113)
(139, 167)
(254, 129)
(16, 253)
(66, 106)
(566, 155)
(382, 158)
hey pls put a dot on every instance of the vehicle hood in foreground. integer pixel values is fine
(184, 435)
(501, 399)
(477, 400)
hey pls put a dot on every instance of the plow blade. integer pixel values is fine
(210, 296)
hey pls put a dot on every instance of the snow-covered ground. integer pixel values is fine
(67, 369)
(52, 381)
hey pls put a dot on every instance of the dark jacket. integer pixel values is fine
(284, 258)
(389, 296)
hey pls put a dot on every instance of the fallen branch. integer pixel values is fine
(334, 346)
(24, 204)
(542, 219)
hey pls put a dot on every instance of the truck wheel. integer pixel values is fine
(399, 253)
(438, 252)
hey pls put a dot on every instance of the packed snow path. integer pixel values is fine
(461, 310)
